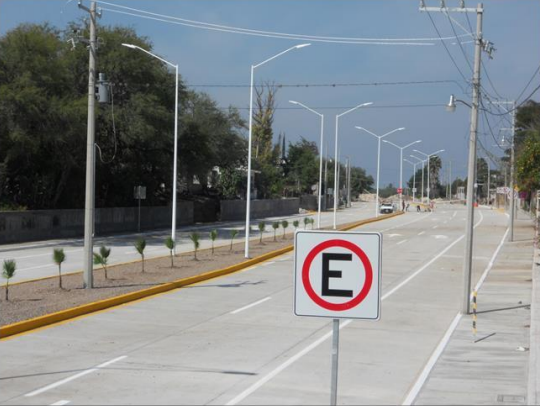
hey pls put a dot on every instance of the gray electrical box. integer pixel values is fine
(102, 93)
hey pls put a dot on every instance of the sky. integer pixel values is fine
(208, 58)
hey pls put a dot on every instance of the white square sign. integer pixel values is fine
(337, 274)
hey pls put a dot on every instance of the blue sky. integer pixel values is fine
(208, 57)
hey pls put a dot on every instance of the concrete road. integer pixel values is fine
(34, 260)
(235, 340)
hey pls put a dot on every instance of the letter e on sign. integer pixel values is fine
(337, 274)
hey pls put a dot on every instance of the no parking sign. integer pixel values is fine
(338, 274)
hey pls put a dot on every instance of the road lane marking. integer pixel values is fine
(401, 242)
(72, 378)
(434, 227)
(411, 396)
(43, 255)
(421, 232)
(251, 389)
(251, 305)
(406, 224)
(454, 215)
(36, 267)
(61, 403)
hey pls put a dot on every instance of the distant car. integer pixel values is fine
(387, 208)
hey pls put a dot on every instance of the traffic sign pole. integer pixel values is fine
(335, 359)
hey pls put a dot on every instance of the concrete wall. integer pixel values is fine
(33, 225)
(236, 209)
(309, 202)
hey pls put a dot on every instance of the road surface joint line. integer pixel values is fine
(316, 343)
(421, 232)
(418, 385)
(73, 377)
(258, 302)
(401, 242)
(61, 403)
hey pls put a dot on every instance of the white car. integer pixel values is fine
(386, 208)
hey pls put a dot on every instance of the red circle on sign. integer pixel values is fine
(367, 268)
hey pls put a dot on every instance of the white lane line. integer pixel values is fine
(36, 267)
(401, 242)
(268, 263)
(72, 378)
(434, 227)
(251, 305)
(61, 403)
(454, 215)
(43, 255)
(421, 232)
(432, 361)
(406, 224)
(411, 396)
(316, 343)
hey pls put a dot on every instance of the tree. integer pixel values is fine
(262, 227)
(102, 258)
(528, 165)
(213, 236)
(169, 243)
(140, 245)
(306, 222)
(58, 257)
(295, 224)
(234, 233)
(275, 226)
(302, 167)
(195, 239)
(284, 224)
(8, 272)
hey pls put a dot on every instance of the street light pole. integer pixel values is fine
(336, 186)
(428, 156)
(320, 159)
(423, 162)
(401, 166)
(379, 138)
(414, 178)
(175, 152)
(248, 192)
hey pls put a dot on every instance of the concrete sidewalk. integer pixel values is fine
(493, 367)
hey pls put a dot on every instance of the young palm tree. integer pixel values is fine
(58, 257)
(262, 227)
(169, 243)
(102, 258)
(194, 237)
(140, 245)
(234, 233)
(306, 222)
(312, 221)
(284, 224)
(9, 271)
(275, 226)
(213, 236)
(295, 224)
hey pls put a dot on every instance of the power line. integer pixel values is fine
(450, 20)
(528, 83)
(284, 85)
(395, 106)
(247, 31)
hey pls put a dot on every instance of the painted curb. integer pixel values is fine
(63, 315)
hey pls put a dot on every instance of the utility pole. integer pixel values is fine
(471, 174)
(89, 206)
(450, 179)
(348, 173)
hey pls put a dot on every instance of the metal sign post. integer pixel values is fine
(337, 275)
(139, 193)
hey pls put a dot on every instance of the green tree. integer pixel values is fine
(275, 226)
(59, 256)
(295, 224)
(140, 245)
(213, 236)
(102, 258)
(302, 168)
(306, 222)
(284, 224)
(234, 233)
(170, 244)
(528, 165)
(9, 269)
(262, 228)
(195, 239)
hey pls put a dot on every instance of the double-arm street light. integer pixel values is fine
(175, 153)
(320, 159)
(336, 181)
(248, 193)
(428, 156)
(379, 137)
(401, 166)
(414, 178)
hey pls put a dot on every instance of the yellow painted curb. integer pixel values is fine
(48, 319)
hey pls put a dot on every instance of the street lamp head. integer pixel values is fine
(129, 46)
(302, 46)
(366, 104)
(400, 129)
(451, 106)
(359, 128)
(293, 102)
(417, 141)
